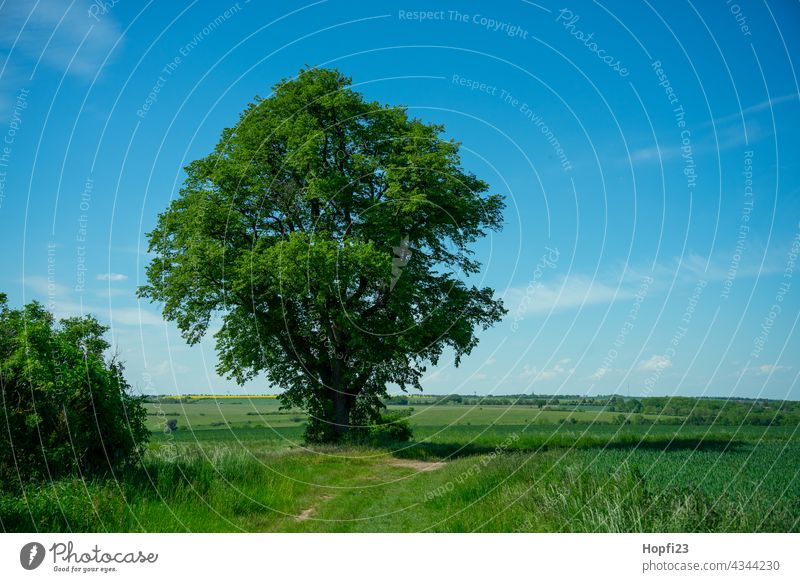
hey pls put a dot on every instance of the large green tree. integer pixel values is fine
(331, 236)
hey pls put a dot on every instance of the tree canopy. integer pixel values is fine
(330, 238)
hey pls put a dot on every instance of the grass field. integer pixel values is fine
(222, 413)
(238, 465)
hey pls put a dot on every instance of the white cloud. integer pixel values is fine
(44, 286)
(109, 292)
(134, 316)
(59, 298)
(765, 369)
(566, 292)
(112, 277)
(653, 153)
(655, 362)
(623, 282)
(547, 374)
(721, 139)
(766, 104)
(599, 373)
(159, 369)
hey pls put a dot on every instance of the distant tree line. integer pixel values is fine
(692, 410)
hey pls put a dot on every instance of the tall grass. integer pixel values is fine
(567, 481)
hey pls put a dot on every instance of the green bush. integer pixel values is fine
(391, 426)
(66, 408)
(384, 428)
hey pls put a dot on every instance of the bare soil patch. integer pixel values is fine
(417, 465)
(307, 514)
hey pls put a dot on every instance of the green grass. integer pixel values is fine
(223, 414)
(220, 414)
(492, 478)
(498, 469)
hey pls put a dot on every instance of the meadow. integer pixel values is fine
(238, 464)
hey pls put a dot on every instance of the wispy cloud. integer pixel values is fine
(653, 153)
(159, 369)
(765, 369)
(729, 134)
(758, 107)
(622, 282)
(112, 277)
(566, 292)
(44, 287)
(59, 300)
(726, 138)
(134, 316)
(58, 34)
(654, 363)
(559, 369)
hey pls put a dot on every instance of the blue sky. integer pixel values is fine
(648, 152)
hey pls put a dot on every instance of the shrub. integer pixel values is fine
(384, 428)
(391, 426)
(66, 408)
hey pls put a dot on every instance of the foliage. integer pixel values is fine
(725, 412)
(391, 427)
(66, 408)
(332, 236)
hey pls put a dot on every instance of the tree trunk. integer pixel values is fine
(341, 411)
(342, 401)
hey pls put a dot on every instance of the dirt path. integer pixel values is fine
(421, 466)
(417, 465)
(307, 514)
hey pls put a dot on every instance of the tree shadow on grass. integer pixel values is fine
(437, 451)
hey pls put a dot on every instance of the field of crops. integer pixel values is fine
(220, 413)
(239, 465)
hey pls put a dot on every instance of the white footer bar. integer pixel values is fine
(414, 557)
